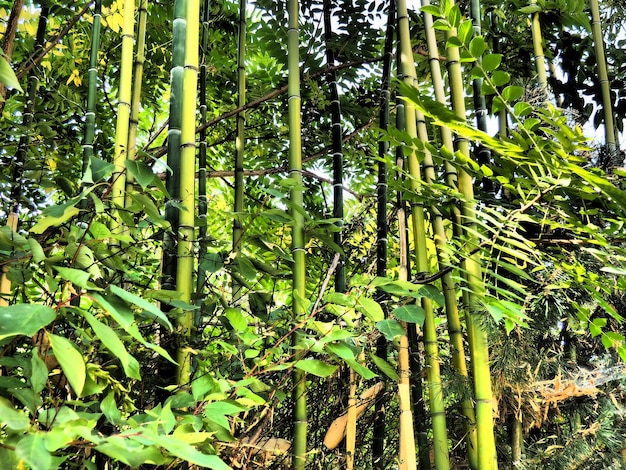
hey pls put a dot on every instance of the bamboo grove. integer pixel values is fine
(312, 234)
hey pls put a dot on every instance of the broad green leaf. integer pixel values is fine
(36, 251)
(38, 371)
(212, 262)
(500, 78)
(432, 10)
(236, 319)
(7, 76)
(12, 418)
(188, 453)
(54, 216)
(114, 344)
(614, 270)
(596, 326)
(218, 410)
(143, 173)
(31, 449)
(315, 367)
(130, 451)
(99, 169)
(491, 61)
(465, 32)
(433, 293)
(148, 307)
(109, 408)
(71, 361)
(532, 8)
(477, 46)
(512, 93)
(385, 367)
(391, 329)
(410, 314)
(77, 277)
(454, 16)
(24, 319)
(371, 309)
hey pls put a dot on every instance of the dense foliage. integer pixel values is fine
(95, 335)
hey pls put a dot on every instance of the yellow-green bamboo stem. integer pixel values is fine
(123, 111)
(297, 232)
(406, 456)
(136, 90)
(185, 267)
(441, 238)
(472, 273)
(437, 407)
(540, 63)
(240, 139)
(603, 77)
(351, 423)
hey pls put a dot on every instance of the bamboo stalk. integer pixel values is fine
(186, 230)
(603, 78)
(136, 90)
(335, 110)
(92, 88)
(441, 239)
(540, 64)
(378, 441)
(351, 423)
(472, 273)
(123, 116)
(297, 232)
(437, 407)
(240, 140)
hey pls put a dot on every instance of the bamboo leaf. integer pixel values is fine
(315, 367)
(188, 453)
(54, 216)
(371, 309)
(38, 371)
(143, 173)
(70, 360)
(75, 276)
(24, 319)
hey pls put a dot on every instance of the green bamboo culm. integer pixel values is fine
(437, 407)
(297, 232)
(187, 178)
(179, 32)
(335, 110)
(123, 113)
(483, 154)
(92, 87)
(441, 239)
(382, 232)
(603, 78)
(540, 63)
(472, 273)
(240, 140)
(136, 90)
(203, 203)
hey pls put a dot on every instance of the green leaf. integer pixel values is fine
(465, 31)
(32, 450)
(315, 367)
(12, 418)
(189, 453)
(512, 93)
(109, 408)
(410, 314)
(454, 16)
(75, 276)
(54, 216)
(432, 10)
(371, 309)
(217, 411)
(114, 344)
(211, 262)
(532, 8)
(24, 319)
(99, 169)
(71, 361)
(38, 371)
(391, 329)
(477, 46)
(595, 326)
(7, 76)
(143, 173)
(491, 62)
(36, 251)
(236, 319)
(385, 367)
(433, 293)
(500, 78)
(149, 308)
